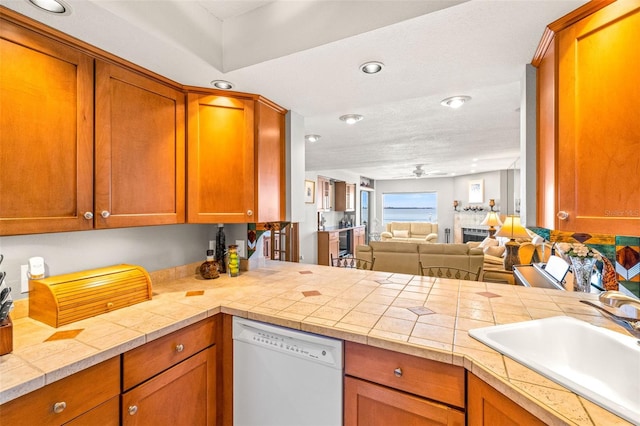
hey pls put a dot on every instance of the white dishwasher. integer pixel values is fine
(285, 377)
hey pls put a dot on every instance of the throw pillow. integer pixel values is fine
(401, 233)
(488, 242)
(497, 251)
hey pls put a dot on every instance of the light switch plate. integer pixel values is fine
(24, 278)
(240, 244)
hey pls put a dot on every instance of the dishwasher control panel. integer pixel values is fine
(293, 342)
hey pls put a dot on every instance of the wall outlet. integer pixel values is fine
(240, 244)
(24, 278)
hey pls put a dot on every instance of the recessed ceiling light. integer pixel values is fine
(474, 160)
(371, 67)
(455, 101)
(351, 118)
(222, 84)
(472, 171)
(53, 6)
(312, 138)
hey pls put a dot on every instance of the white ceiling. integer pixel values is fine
(305, 54)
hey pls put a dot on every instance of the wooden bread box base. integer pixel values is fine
(64, 299)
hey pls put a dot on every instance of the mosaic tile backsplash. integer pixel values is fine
(622, 251)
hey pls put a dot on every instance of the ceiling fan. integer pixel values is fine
(419, 172)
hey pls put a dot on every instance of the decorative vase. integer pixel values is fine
(233, 261)
(582, 269)
(209, 269)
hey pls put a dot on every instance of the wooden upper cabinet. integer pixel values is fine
(220, 152)
(345, 195)
(236, 160)
(46, 142)
(140, 150)
(589, 127)
(325, 194)
(270, 162)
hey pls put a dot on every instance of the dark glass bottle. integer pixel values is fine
(220, 249)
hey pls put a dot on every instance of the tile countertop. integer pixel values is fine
(416, 315)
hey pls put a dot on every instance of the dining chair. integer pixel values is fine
(352, 262)
(450, 272)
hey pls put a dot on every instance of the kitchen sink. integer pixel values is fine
(599, 364)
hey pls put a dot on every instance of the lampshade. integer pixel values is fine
(512, 229)
(492, 219)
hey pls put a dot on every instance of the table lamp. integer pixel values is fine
(492, 219)
(512, 229)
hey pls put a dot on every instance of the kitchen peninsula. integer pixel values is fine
(379, 310)
(335, 242)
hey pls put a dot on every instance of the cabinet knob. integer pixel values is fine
(249, 212)
(398, 372)
(105, 214)
(562, 215)
(179, 347)
(109, 305)
(59, 407)
(88, 215)
(133, 409)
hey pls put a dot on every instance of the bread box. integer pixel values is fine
(64, 299)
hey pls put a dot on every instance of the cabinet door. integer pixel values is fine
(220, 152)
(46, 145)
(324, 191)
(183, 395)
(351, 197)
(368, 404)
(105, 414)
(487, 406)
(598, 127)
(270, 163)
(139, 150)
(334, 245)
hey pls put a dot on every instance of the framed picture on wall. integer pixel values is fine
(309, 191)
(476, 191)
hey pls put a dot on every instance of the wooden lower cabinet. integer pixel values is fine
(487, 406)
(384, 387)
(328, 245)
(358, 238)
(184, 394)
(78, 399)
(173, 379)
(368, 404)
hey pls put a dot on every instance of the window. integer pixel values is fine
(410, 207)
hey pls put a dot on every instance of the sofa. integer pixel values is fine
(403, 257)
(494, 250)
(411, 232)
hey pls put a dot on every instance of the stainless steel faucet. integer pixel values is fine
(617, 299)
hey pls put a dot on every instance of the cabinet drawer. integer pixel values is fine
(334, 236)
(431, 379)
(72, 396)
(146, 361)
